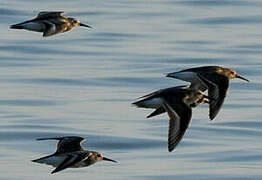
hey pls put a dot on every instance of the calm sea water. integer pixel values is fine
(83, 83)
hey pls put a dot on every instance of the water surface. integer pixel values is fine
(84, 81)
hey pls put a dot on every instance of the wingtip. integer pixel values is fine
(41, 139)
(171, 146)
(165, 74)
(170, 150)
(168, 75)
(54, 171)
(133, 104)
(136, 104)
(15, 26)
(212, 117)
(171, 75)
(52, 138)
(149, 116)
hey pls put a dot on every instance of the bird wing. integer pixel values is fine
(157, 112)
(49, 14)
(178, 123)
(161, 91)
(52, 159)
(151, 94)
(66, 144)
(50, 29)
(217, 89)
(201, 69)
(68, 162)
(197, 70)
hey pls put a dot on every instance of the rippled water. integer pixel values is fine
(84, 81)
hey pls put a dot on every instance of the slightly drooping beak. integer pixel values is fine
(241, 77)
(81, 24)
(107, 159)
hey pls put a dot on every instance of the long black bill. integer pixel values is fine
(81, 24)
(107, 159)
(241, 77)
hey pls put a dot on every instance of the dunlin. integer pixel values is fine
(214, 78)
(50, 23)
(70, 154)
(178, 103)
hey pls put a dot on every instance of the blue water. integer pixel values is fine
(83, 83)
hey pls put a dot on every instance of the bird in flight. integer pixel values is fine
(70, 154)
(50, 23)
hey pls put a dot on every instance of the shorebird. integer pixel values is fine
(50, 23)
(70, 154)
(213, 78)
(178, 103)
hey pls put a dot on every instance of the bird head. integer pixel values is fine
(76, 22)
(100, 157)
(231, 74)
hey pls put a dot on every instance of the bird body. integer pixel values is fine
(184, 94)
(70, 154)
(215, 79)
(50, 23)
(178, 103)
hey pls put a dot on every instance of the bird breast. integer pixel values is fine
(193, 99)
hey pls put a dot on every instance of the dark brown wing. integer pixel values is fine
(180, 116)
(202, 69)
(157, 112)
(217, 89)
(50, 29)
(140, 103)
(173, 91)
(163, 91)
(67, 144)
(49, 14)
